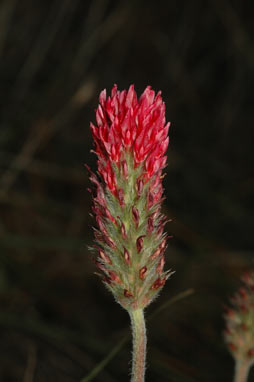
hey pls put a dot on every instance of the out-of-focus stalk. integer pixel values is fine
(239, 332)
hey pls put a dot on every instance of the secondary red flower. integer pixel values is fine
(239, 333)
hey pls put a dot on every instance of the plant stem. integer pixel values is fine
(139, 345)
(241, 371)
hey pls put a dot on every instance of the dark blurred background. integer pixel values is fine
(57, 321)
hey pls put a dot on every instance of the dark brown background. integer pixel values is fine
(56, 319)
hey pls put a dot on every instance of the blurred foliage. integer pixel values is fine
(56, 320)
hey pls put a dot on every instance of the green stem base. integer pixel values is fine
(241, 371)
(139, 345)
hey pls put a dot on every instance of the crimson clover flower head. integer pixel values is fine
(131, 139)
(239, 332)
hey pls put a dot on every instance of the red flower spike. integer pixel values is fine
(131, 138)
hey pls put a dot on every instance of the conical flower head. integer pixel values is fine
(131, 139)
(239, 333)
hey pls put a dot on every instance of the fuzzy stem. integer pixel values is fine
(241, 371)
(139, 345)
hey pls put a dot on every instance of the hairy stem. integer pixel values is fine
(139, 345)
(241, 371)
